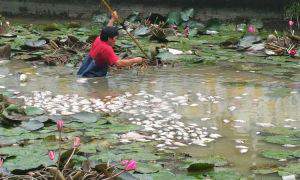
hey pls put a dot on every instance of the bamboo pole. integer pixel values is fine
(108, 6)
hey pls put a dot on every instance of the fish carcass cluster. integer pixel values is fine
(157, 115)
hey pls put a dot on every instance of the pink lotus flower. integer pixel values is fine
(60, 125)
(76, 143)
(1, 162)
(124, 162)
(292, 52)
(51, 155)
(131, 165)
(291, 23)
(173, 26)
(186, 31)
(251, 29)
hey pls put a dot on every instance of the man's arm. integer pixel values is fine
(114, 17)
(129, 62)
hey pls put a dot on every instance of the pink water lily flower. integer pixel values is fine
(291, 23)
(131, 165)
(51, 155)
(124, 162)
(1, 162)
(76, 143)
(292, 52)
(60, 125)
(251, 29)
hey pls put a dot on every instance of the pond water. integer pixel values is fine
(243, 102)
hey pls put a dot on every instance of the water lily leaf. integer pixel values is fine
(85, 117)
(187, 14)
(142, 31)
(280, 131)
(40, 118)
(32, 125)
(221, 175)
(296, 154)
(154, 176)
(291, 169)
(200, 167)
(281, 139)
(273, 154)
(167, 56)
(26, 158)
(33, 111)
(174, 18)
(147, 168)
(280, 92)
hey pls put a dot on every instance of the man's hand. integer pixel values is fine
(139, 60)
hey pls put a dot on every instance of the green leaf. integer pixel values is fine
(273, 154)
(146, 168)
(200, 167)
(291, 169)
(187, 14)
(32, 125)
(280, 139)
(85, 117)
(174, 18)
(224, 175)
(33, 111)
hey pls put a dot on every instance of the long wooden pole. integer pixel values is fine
(127, 32)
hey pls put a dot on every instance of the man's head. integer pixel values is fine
(109, 34)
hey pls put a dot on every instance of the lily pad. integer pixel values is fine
(174, 18)
(85, 117)
(221, 175)
(291, 169)
(148, 168)
(273, 154)
(33, 111)
(32, 125)
(281, 139)
(41, 119)
(200, 167)
(26, 158)
(187, 14)
(265, 169)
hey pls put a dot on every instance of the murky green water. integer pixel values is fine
(257, 98)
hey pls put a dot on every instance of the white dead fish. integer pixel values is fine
(289, 145)
(226, 121)
(289, 177)
(232, 108)
(23, 77)
(243, 151)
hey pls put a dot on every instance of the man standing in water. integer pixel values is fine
(102, 55)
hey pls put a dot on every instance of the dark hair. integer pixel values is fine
(108, 32)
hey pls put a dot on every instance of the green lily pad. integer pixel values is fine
(273, 154)
(174, 18)
(291, 169)
(296, 154)
(264, 169)
(26, 158)
(33, 111)
(280, 92)
(200, 167)
(148, 168)
(280, 131)
(280, 139)
(32, 125)
(187, 14)
(85, 117)
(40, 119)
(221, 175)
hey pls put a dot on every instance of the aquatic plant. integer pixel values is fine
(292, 11)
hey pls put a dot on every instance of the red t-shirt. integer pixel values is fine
(103, 53)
